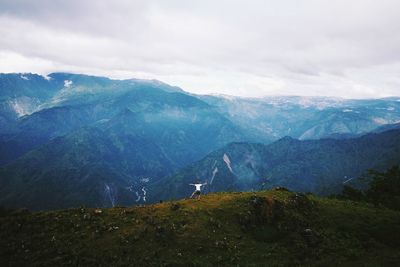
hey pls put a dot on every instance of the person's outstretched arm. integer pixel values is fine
(191, 184)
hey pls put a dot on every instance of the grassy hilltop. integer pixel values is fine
(269, 228)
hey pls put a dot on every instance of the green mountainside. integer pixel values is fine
(70, 139)
(318, 166)
(267, 228)
(106, 163)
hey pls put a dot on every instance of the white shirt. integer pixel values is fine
(198, 186)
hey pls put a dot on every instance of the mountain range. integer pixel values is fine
(69, 139)
(319, 166)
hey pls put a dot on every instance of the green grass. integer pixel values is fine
(226, 229)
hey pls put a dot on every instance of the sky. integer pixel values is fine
(342, 48)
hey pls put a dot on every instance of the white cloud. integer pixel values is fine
(340, 48)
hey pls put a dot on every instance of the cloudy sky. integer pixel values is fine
(346, 48)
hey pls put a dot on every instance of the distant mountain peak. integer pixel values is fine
(287, 139)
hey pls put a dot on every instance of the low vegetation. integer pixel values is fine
(268, 228)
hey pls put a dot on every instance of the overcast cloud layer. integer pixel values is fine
(346, 48)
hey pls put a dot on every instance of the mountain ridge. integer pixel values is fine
(318, 166)
(141, 132)
(277, 227)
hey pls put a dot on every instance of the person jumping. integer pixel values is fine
(197, 192)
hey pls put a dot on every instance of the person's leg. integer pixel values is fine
(193, 194)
